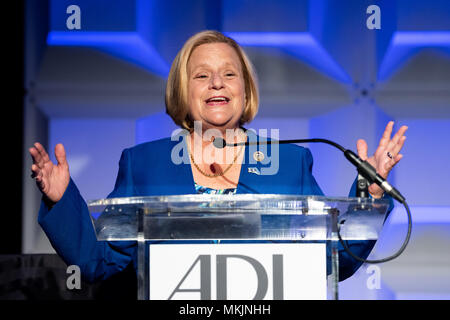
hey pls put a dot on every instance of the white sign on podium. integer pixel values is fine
(238, 271)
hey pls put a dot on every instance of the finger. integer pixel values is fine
(37, 175)
(398, 147)
(35, 155)
(42, 151)
(36, 171)
(387, 134)
(40, 183)
(399, 134)
(60, 154)
(398, 158)
(361, 147)
(38, 159)
(42, 155)
(393, 162)
(33, 171)
(396, 139)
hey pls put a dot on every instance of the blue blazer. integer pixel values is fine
(146, 170)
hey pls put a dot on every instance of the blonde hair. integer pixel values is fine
(177, 82)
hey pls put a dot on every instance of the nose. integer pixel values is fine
(216, 82)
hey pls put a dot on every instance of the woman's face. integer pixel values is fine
(216, 88)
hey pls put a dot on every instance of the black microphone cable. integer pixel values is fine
(364, 168)
(392, 257)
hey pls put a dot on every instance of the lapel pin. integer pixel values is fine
(258, 156)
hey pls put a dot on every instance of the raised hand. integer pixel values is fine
(51, 179)
(386, 156)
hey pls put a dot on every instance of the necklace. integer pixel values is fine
(215, 175)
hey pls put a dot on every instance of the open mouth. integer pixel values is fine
(213, 101)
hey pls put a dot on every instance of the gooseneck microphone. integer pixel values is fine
(365, 169)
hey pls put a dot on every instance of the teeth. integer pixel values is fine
(218, 99)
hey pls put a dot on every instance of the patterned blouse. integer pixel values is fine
(201, 189)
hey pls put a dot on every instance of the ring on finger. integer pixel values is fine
(390, 155)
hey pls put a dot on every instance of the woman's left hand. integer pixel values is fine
(385, 157)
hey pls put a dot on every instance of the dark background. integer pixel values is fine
(12, 13)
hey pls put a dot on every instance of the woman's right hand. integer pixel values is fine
(52, 180)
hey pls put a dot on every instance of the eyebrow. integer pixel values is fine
(205, 65)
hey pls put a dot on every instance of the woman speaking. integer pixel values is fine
(211, 91)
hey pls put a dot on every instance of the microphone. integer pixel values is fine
(364, 168)
(369, 172)
(219, 143)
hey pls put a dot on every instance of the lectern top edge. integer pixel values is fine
(235, 198)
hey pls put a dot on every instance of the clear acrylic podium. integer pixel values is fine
(216, 219)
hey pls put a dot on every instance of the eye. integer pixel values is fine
(230, 74)
(201, 76)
